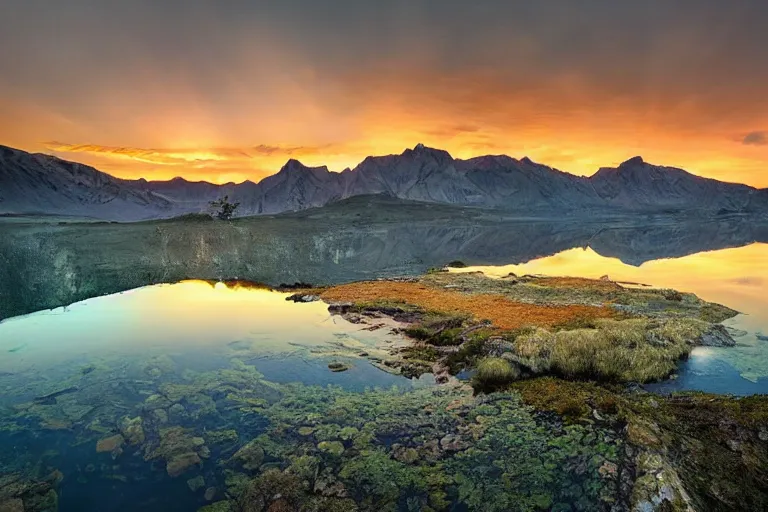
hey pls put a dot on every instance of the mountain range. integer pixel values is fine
(43, 184)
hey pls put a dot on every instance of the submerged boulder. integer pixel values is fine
(110, 444)
(250, 456)
(132, 430)
(179, 449)
(179, 464)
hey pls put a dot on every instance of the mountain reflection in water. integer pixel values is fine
(733, 277)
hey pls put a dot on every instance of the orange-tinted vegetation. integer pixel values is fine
(501, 311)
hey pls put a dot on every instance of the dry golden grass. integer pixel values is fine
(627, 350)
(501, 311)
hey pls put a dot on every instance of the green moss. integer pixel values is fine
(420, 352)
(334, 448)
(221, 436)
(719, 446)
(270, 487)
(571, 400)
(439, 329)
(219, 506)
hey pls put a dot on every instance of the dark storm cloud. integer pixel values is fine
(759, 138)
(694, 46)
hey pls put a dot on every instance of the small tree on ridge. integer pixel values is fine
(223, 209)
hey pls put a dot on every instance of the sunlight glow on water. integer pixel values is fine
(187, 317)
(737, 278)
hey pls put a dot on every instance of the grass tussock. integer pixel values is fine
(494, 372)
(638, 350)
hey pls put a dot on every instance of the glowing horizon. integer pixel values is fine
(230, 92)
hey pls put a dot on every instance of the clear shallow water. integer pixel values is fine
(199, 326)
(154, 398)
(737, 278)
(74, 371)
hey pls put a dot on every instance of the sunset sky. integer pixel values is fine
(229, 90)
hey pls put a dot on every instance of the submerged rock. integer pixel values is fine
(338, 366)
(179, 449)
(20, 494)
(453, 443)
(195, 484)
(219, 506)
(179, 464)
(132, 430)
(221, 436)
(331, 447)
(110, 444)
(250, 456)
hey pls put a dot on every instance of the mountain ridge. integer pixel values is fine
(39, 183)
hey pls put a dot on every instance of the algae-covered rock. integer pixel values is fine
(210, 493)
(154, 402)
(179, 449)
(21, 494)
(404, 454)
(250, 456)
(219, 506)
(338, 366)
(132, 430)
(221, 436)
(272, 488)
(331, 447)
(160, 416)
(179, 464)
(453, 443)
(110, 444)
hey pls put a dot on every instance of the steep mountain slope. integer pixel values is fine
(638, 185)
(523, 183)
(42, 184)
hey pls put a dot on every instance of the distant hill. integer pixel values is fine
(42, 184)
(34, 183)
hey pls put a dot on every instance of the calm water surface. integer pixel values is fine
(737, 278)
(71, 375)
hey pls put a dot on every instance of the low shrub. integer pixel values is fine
(494, 372)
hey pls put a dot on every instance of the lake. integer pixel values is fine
(173, 396)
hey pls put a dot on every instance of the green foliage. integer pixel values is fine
(494, 372)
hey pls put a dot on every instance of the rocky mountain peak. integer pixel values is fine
(422, 151)
(632, 162)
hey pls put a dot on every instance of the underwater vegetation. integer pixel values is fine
(548, 418)
(244, 443)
